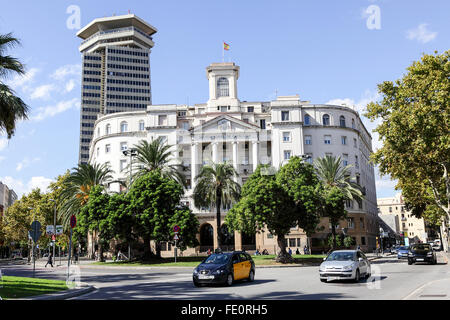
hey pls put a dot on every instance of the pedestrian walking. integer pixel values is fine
(290, 252)
(49, 260)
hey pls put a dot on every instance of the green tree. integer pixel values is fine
(338, 186)
(12, 108)
(414, 114)
(157, 155)
(154, 201)
(189, 225)
(299, 180)
(77, 187)
(216, 186)
(94, 216)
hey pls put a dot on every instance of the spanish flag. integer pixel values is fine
(226, 46)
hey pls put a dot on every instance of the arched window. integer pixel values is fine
(141, 125)
(342, 121)
(353, 123)
(206, 235)
(307, 120)
(108, 129)
(326, 120)
(123, 126)
(223, 87)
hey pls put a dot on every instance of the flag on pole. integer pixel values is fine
(226, 46)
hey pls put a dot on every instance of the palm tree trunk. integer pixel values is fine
(218, 204)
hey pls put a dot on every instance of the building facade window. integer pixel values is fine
(308, 140)
(310, 158)
(108, 129)
(162, 120)
(286, 136)
(326, 120)
(345, 159)
(327, 139)
(287, 154)
(262, 123)
(284, 115)
(250, 109)
(342, 121)
(307, 120)
(123, 165)
(107, 148)
(123, 126)
(223, 87)
(353, 124)
(123, 146)
(141, 125)
(344, 140)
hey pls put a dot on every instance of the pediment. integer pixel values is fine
(225, 123)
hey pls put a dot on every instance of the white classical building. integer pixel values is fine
(246, 134)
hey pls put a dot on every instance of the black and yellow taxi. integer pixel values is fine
(224, 268)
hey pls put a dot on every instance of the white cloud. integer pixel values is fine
(50, 111)
(3, 143)
(22, 80)
(70, 85)
(42, 92)
(67, 70)
(421, 34)
(26, 162)
(22, 188)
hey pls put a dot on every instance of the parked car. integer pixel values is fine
(16, 254)
(422, 252)
(344, 265)
(224, 268)
(402, 252)
(394, 249)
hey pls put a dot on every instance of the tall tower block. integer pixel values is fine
(115, 70)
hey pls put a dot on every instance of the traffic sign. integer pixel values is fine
(59, 230)
(175, 237)
(73, 221)
(53, 237)
(50, 230)
(35, 232)
(176, 229)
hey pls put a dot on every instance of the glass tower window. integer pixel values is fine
(223, 87)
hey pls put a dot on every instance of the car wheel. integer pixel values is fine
(357, 276)
(230, 280)
(410, 262)
(197, 284)
(323, 280)
(251, 276)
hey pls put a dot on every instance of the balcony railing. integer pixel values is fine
(116, 31)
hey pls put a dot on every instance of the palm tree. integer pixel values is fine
(12, 108)
(157, 156)
(78, 185)
(333, 174)
(216, 186)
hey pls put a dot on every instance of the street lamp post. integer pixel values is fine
(381, 240)
(132, 153)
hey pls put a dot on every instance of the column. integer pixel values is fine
(235, 158)
(255, 154)
(215, 155)
(194, 159)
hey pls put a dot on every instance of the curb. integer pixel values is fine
(63, 295)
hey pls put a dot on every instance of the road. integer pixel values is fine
(392, 280)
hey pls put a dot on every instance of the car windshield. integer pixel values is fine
(217, 259)
(341, 256)
(425, 247)
(403, 248)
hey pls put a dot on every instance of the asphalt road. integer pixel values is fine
(391, 280)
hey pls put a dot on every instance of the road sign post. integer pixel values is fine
(176, 229)
(35, 234)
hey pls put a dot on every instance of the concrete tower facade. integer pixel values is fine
(116, 70)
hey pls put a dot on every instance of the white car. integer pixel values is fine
(345, 265)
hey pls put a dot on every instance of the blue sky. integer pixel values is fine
(322, 50)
